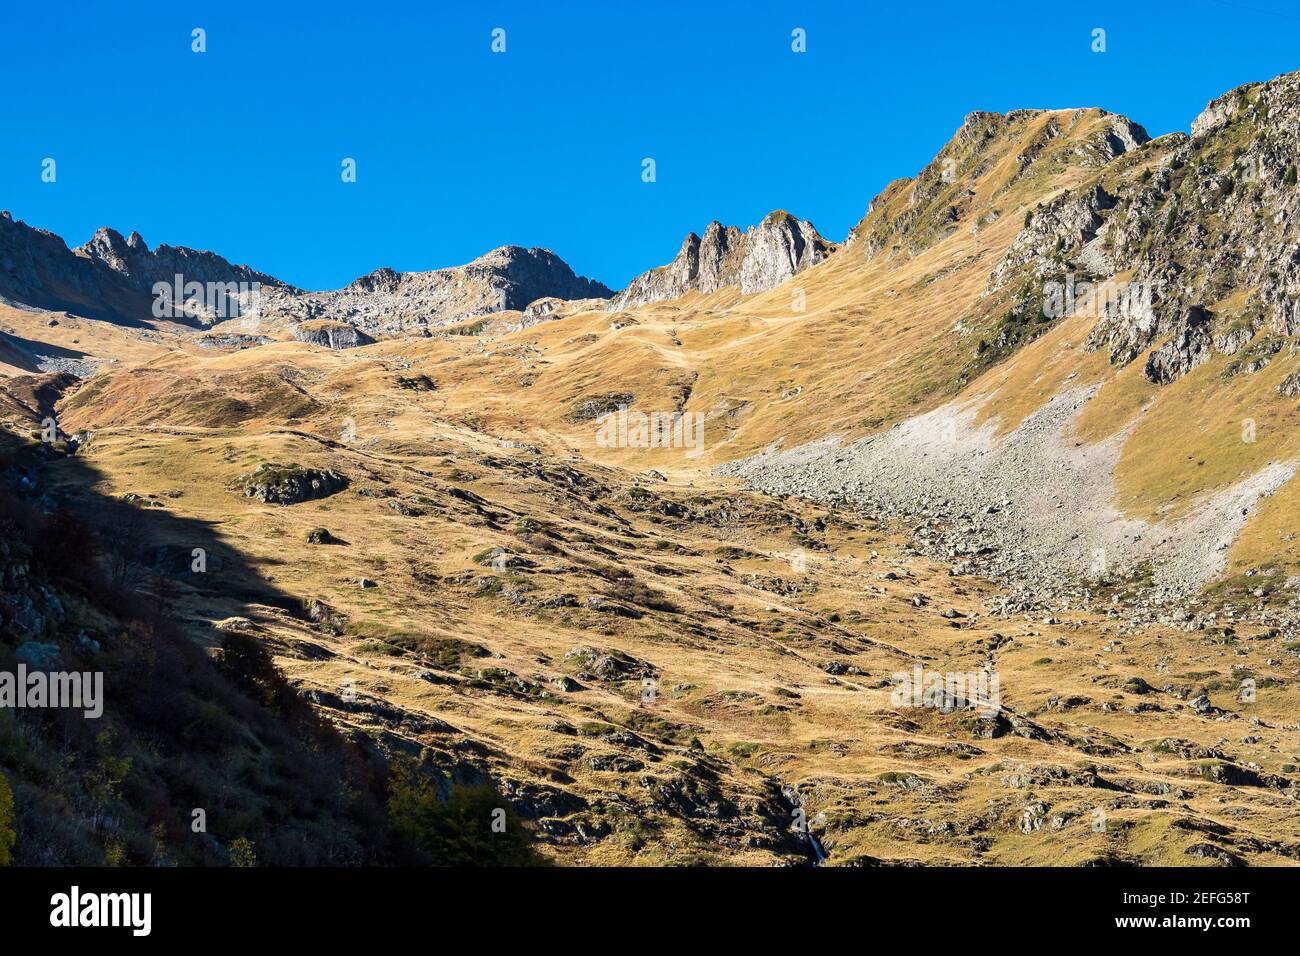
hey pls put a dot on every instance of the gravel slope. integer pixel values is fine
(1031, 507)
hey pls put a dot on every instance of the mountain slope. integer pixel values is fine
(956, 460)
(1187, 250)
(37, 269)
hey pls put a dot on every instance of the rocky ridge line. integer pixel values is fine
(756, 260)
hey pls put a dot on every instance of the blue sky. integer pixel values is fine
(459, 150)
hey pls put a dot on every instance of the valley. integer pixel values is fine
(690, 652)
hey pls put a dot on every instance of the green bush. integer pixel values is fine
(242, 852)
(473, 826)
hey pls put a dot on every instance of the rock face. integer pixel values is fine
(1205, 229)
(756, 260)
(227, 286)
(1190, 347)
(331, 335)
(1074, 217)
(403, 302)
(38, 269)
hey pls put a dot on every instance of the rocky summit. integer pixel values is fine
(753, 260)
(388, 302)
(38, 269)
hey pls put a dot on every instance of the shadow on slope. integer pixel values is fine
(198, 758)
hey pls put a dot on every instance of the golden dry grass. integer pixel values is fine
(739, 664)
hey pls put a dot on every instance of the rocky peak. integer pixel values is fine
(988, 156)
(108, 247)
(132, 259)
(386, 301)
(1205, 230)
(524, 275)
(38, 269)
(755, 260)
(383, 279)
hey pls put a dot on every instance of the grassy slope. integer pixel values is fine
(739, 664)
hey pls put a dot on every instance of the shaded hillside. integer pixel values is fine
(184, 727)
(38, 269)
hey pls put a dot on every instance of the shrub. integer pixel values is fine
(473, 826)
(7, 835)
(242, 852)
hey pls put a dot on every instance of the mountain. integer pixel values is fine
(114, 278)
(132, 259)
(1143, 315)
(389, 302)
(670, 579)
(753, 260)
(37, 269)
(1019, 147)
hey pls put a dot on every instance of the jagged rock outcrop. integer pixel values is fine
(756, 260)
(1203, 229)
(1190, 347)
(38, 269)
(331, 335)
(1220, 215)
(229, 290)
(1072, 220)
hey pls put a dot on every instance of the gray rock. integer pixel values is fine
(331, 335)
(756, 260)
(291, 484)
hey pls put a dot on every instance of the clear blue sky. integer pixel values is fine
(459, 150)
